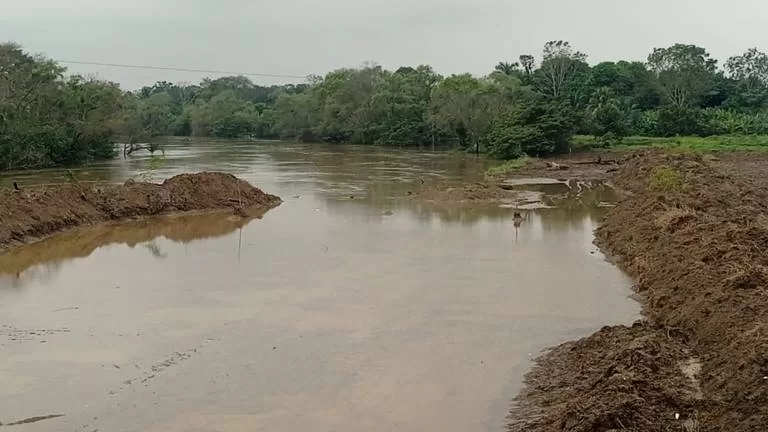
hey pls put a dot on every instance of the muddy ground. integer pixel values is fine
(699, 362)
(32, 213)
(577, 171)
(471, 193)
(576, 166)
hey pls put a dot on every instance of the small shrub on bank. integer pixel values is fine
(664, 178)
(508, 167)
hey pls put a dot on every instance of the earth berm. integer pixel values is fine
(32, 213)
(695, 240)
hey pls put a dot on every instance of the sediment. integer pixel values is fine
(699, 360)
(33, 213)
(472, 193)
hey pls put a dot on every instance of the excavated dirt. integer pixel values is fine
(698, 253)
(30, 214)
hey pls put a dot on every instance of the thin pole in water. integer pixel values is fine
(239, 243)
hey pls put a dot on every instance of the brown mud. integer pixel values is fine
(577, 166)
(30, 214)
(471, 193)
(699, 362)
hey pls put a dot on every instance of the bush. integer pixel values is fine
(664, 178)
(535, 127)
(681, 121)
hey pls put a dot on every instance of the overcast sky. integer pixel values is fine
(300, 37)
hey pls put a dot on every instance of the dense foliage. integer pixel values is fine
(531, 106)
(48, 120)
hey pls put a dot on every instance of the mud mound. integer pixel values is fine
(33, 213)
(465, 194)
(620, 378)
(696, 246)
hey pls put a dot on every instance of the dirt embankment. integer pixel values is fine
(576, 166)
(33, 213)
(700, 360)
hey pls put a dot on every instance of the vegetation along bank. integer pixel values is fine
(530, 106)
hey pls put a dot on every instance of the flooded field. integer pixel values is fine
(348, 308)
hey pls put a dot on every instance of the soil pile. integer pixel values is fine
(695, 239)
(30, 214)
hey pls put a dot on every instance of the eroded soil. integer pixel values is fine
(30, 214)
(700, 361)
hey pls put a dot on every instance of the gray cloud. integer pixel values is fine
(298, 37)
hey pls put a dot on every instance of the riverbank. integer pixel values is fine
(693, 236)
(30, 214)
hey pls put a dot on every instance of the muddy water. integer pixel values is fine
(327, 314)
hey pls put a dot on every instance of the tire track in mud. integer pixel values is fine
(154, 370)
(150, 373)
(19, 335)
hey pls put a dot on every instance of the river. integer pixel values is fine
(349, 307)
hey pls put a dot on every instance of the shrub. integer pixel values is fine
(664, 178)
(535, 127)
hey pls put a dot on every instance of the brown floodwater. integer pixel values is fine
(348, 308)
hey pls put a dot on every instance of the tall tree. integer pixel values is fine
(560, 62)
(685, 73)
(749, 71)
(751, 68)
(465, 106)
(528, 62)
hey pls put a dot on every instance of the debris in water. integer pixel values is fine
(387, 213)
(32, 420)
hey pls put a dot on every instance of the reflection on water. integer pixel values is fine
(41, 260)
(349, 307)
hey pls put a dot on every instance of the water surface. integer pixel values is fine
(327, 314)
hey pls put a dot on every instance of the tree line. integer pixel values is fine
(531, 105)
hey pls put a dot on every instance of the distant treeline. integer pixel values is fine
(529, 106)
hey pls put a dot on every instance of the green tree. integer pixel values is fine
(507, 68)
(47, 120)
(464, 106)
(535, 127)
(607, 118)
(684, 72)
(224, 116)
(560, 63)
(401, 106)
(343, 98)
(749, 71)
(295, 117)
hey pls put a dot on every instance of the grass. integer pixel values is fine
(664, 178)
(712, 144)
(508, 167)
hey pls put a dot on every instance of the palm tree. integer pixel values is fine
(507, 68)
